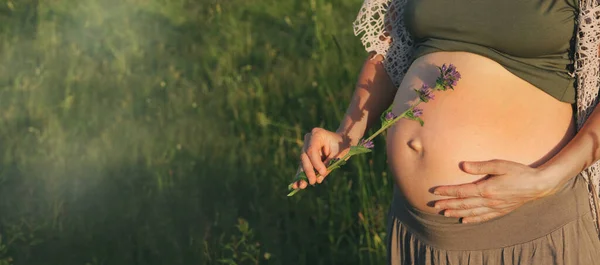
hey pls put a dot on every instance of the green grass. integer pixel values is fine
(166, 132)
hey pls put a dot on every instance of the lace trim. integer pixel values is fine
(383, 32)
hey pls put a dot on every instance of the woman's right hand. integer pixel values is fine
(320, 147)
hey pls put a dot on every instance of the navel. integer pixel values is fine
(416, 146)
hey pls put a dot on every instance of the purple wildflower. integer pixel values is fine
(366, 144)
(390, 116)
(417, 112)
(452, 73)
(425, 93)
(448, 77)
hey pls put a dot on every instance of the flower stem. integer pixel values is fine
(302, 175)
(386, 126)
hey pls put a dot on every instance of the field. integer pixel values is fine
(166, 132)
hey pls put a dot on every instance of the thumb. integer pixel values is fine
(491, 167)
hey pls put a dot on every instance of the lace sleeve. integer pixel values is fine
(382, 27)
(588, 82)
(587, 60)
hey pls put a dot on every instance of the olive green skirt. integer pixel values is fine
(556, 230)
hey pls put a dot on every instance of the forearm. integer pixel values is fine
(374, 93)
(580, 153)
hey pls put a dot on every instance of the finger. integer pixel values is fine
(306, 142)
(300, 184)
(321, 178)
(308, 169)
(491, 167)
(482, 218)
(468, 213)
(461, 204)
(327, 161)
(296, 184)
(303, 184)
(315, 158)
(459, 191)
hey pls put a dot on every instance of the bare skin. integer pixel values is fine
(491, 114)
(518, 129)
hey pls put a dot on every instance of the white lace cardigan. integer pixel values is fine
(382, 30)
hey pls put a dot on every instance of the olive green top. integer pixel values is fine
(533, 39)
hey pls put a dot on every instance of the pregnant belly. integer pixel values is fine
(491, 114)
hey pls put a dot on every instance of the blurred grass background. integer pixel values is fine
(166, 132)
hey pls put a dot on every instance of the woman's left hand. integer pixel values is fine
(506, 186)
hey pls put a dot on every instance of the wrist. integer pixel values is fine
(551, 179)
(348, 138)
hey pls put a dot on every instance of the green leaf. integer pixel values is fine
(293, 192)
(385, 122)
(420, 121)
(226, 261)
(439, 84)
(332, 161)
(243, 226)
(301, 176)
(341, 163)
(248, 256)
(355, 150)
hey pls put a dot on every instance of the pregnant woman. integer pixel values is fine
(529, 78)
